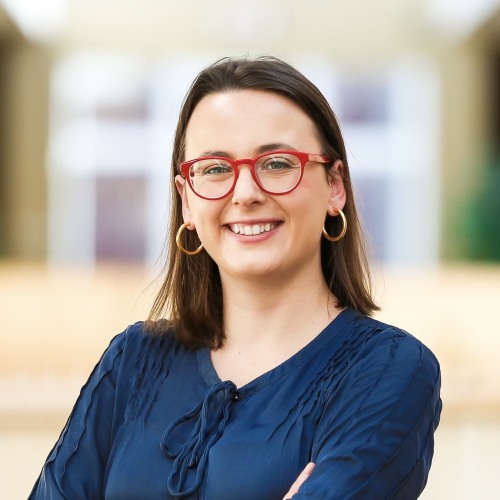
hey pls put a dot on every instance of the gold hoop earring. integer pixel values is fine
(344, 227)
(179, 244)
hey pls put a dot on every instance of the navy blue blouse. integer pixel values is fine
(154, 421)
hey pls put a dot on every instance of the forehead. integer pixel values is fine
(242, 120)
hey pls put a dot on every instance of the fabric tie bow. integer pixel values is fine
(189, 438)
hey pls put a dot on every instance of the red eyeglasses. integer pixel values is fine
(275, 172)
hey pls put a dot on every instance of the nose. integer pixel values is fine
(247, 191)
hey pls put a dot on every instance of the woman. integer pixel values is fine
(269, 379)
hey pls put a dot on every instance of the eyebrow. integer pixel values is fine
(274, 146)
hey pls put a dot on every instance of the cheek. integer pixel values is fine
(312, 202)
(205, 215)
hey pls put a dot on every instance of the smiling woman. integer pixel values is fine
(259, 373)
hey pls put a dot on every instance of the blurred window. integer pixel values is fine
(121, 218)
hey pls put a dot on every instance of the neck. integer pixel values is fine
(267, 312)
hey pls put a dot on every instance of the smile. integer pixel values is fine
(251, 230)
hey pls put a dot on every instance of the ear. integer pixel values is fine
(337, 190)
(181, 185)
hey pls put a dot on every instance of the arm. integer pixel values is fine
(75, 467)
(375, 438)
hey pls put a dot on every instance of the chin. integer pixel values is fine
(252, 272)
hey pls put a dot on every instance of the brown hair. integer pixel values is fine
(191, 293)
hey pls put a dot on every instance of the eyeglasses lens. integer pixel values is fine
(278, 172)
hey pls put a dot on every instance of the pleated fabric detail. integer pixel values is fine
(150, 370)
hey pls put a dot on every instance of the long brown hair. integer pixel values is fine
(191, 293)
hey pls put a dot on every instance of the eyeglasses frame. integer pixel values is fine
(304, 159)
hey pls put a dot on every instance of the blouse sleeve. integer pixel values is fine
(75, 467)
(376, 436)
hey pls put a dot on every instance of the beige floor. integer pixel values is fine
(56, 323)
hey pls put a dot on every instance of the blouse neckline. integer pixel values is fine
(331, 333)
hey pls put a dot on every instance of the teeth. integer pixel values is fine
(252, 230)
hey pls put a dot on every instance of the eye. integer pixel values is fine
(211, 168)
(281, 163)
(217, 170)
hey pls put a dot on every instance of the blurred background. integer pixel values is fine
(89, 96)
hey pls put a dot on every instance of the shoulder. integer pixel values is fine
(385, 360)
(389, 342)
(388, 375)
(136, 339)
(134, 350)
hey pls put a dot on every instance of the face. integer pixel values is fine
(251, 234)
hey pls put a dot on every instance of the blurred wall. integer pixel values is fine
(24, 103)
(469, 132)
